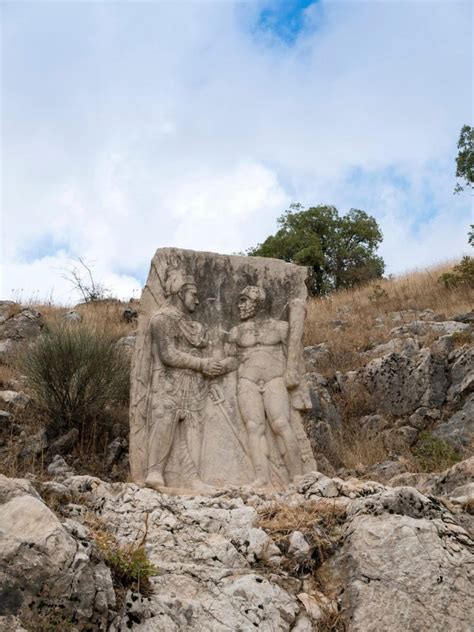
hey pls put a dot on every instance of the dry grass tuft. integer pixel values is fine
(280, 520)
(8, 375)
(354, 448)
(333, 621)
(320, 523)
(461, 338)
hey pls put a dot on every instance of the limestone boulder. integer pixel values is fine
(387, 470)
(408, 347)
(7, 310)
(17, 329)
(404, 565)
(423, 327)
(42, 567)
(323, 419)
(401, 560)
(127, 343)
(315, 356)
(17, 398)
(465, 317)
(72, 316)
(399, 384)
(458, 430)
(458, 475)
(440, 484)
(462, 374)
(372, 425)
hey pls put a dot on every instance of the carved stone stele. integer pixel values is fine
(217, 374)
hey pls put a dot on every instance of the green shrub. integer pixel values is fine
(76, 373)
(129, 563)
(461, 276)
(433, 454)
(378, 294)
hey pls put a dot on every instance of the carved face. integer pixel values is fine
(189, 297)
(247, 307)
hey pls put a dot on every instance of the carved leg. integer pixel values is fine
(253, 413)
(277, 407)
(189, 472)
(160, 440)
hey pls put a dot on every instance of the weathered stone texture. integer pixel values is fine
(217, 377)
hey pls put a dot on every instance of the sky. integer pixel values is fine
(129, 126)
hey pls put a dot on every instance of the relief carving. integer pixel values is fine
(215, 403)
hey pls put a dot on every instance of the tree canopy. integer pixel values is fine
(465, 159)
(339, 251)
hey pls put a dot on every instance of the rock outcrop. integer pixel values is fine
(18, 326)
(414, 384)
(384, 557)
(46, 565)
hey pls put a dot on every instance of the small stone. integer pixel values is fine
(72, 316)
(466, 317)
(34, 445)
(299, 547)
(20, 399)
(65, 444)
(59, 468)
(129, 314)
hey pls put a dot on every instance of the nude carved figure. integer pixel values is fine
(265, 375)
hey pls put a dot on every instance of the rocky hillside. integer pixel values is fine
(379, 539)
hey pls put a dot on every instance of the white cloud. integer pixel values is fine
(134, 126)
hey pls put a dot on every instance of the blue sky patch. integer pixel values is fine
(284, 18)
(44, 246)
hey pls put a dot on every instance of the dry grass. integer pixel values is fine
(11, 463)
(355, 449)
(352, 446)
(320, 523)
(104, 316)
(462, 338)
(8, 374)
(365, 313)
(279, 520)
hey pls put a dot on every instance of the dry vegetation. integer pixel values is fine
(351, 322)
(321, 522)
(364, 318)
(129, 563)
(348, 322)
(102, 320)
(105, 315)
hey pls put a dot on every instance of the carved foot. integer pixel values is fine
(196, 485)
(262, 484)
(296, 478)
(156, 481)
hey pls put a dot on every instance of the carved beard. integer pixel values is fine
(248, 312)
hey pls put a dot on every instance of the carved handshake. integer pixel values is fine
(212, 367)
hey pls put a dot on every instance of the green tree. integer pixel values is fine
(465, 159)
(339, 251)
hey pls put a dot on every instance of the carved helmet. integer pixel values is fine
(177, 280)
